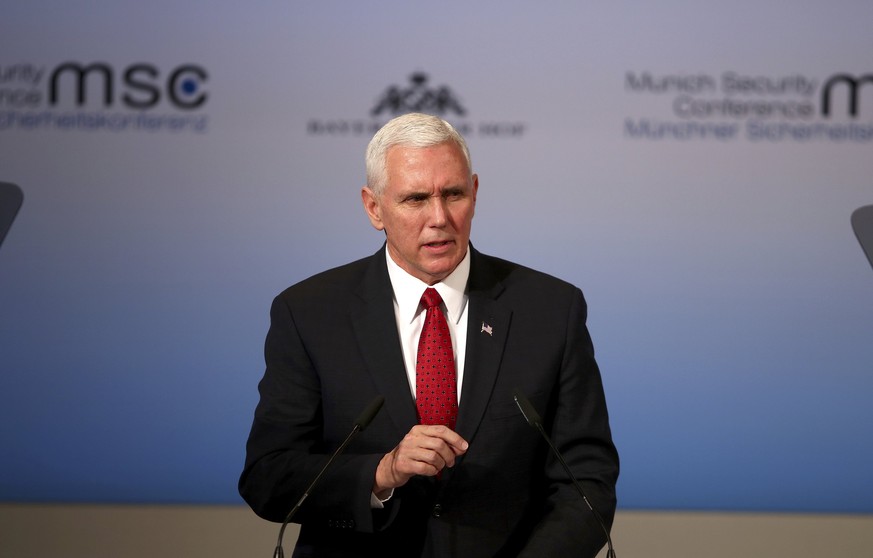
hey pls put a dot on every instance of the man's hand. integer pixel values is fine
(425, 450)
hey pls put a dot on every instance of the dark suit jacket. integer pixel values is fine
(333, 346)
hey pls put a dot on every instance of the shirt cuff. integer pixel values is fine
(376, 503)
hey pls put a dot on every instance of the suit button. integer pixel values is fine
(437, 510)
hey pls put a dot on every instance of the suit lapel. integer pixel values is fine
(375, 329)
(376, 332)
(487, 331)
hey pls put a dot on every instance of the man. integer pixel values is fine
(449, 468)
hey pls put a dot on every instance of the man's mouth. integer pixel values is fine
(439, 245)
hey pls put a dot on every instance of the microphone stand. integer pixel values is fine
(363, 421)
(533, 418)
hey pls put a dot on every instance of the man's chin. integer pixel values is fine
(441, 269)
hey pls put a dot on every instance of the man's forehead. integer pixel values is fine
(399, 157)
(404, 149)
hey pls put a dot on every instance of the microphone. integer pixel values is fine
(362, 422)
(533, 418)
(862, 223)
(10, 202)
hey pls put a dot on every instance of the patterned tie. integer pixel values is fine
(436, 382)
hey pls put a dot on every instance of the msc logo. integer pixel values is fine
(138, 86)
(852, 85)
(418, 97)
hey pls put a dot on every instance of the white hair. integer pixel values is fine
(410, 130)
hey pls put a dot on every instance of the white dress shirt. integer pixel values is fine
(409, 314)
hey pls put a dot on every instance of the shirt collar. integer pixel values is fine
(408, 289)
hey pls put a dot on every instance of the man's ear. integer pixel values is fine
(372, 207)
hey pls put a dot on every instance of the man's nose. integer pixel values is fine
(438, 212)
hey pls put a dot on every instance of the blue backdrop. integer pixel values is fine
(692, 168)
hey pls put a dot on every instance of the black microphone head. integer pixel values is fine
(527, 410)
(367, 416)
(862, 223)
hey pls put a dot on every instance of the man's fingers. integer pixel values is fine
(444, 433)
(428, 450)
(419, 462)
(425, 450)
(436, 446)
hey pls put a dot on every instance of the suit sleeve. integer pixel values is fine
(578, 424)
(286, 446)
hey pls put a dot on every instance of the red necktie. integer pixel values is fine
(436, 382)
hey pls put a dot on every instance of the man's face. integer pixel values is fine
(426, 209)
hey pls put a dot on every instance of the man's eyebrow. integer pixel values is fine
(459, 189)
(427, 192)
(413, 194)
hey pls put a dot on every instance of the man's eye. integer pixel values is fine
(416, 199)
